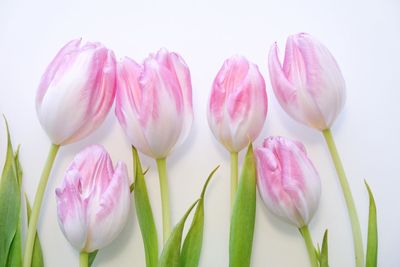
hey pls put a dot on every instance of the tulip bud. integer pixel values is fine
(76, 92)
(154, 102)
(238, 104)
(94, 199)
(287, 181)
(309, 86)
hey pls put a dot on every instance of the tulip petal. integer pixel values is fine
(284, 90)
(111, 212)
(64, 55)
(71, 210)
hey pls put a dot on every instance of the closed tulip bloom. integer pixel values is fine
(287, 180)
(309, 85)
(76, 91)
(238, 104)
(94, 199)
(154, 102)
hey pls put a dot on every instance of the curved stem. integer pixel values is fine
(166, 211)
(310, 246)
(234, 176)
(84, 259)
(351, 208)
(31, 234)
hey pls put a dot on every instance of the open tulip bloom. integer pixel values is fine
(311, 89)
(93, 201)
(289, 185)
(154, 108)
(237, 109)
(75, 94)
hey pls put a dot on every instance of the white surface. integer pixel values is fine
(362, 35)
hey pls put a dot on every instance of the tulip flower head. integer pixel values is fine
(154, 102)
(287, 180)
(309, 85)
(238, 104)
(94, 199)
(76, 92)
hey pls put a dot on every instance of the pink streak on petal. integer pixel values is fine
(118, 186)
(129, 91)
(183, 75)
(95, 166)
(63, 58)
(294, 65)
(284, 90)
(69, 202)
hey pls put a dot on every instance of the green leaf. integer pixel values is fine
(37, 254)
(15, 253)
(92, 256)
(191, 250)
(144, 214)
(372, 244)
(10, 205)
(243, 215)
(170, 256)
(323, 259)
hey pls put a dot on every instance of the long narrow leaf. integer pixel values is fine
(324, 251)
(372, 244)
(10, 205)
(144, 214)
(243, 215)
(15, 253)
(170, 256)
(191, 250)
(37, 255)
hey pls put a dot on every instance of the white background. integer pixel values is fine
(362, 35)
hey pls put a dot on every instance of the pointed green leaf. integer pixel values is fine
(170, 256)
(92, 256)
(243, 215)
(323, 259)
(372, 244)
(15, 254)
(37, 254)
(144, 214)
(10, 205)
(191, 250)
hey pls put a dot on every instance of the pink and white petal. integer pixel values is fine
(183, 75)
(110, 213)
(95, 166)
(65, 104)
(62, 60)
(284, 90)
(71, 210)
(101, 92)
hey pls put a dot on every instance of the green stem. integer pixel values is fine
(31, 234)
(310, 246)
(84, 259)
(234, 176)
(351, 208)
(166, 211)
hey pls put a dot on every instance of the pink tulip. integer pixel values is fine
(309, 86)
(154, 102)
(76, 91)
(94, 199)
(238, 104)
(287, 180)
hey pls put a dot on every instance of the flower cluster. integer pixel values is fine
(153, 105)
